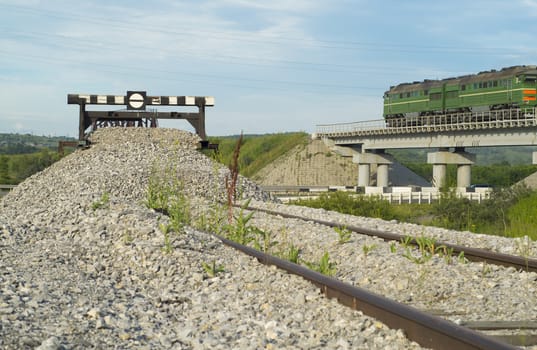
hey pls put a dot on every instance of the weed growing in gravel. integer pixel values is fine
(344, 234)
(366, 249)
(102, 203)
(393, 247)
(241, 231)
(426, 245)
(406, 241)
(212, 269)
(212, 220)
(127, 238)
(292, 254)
(461, 258)
(427, 248)
(485, 269)
(179, 212)
(288, 251)
(165, 193)
(448, 255)
(263, 240)
(524, 248)
(421, 259)
(165, 229)
(157, 195)
(324, 266)
(424, 249)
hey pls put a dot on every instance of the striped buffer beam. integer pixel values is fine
(136, 113)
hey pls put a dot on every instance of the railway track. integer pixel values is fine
(425, 329)
(472, 254)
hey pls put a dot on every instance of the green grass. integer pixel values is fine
(523, 218)
(257, 151)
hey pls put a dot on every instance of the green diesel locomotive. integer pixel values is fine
(513, 87)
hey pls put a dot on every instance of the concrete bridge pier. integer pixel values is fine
(443, 157)
(364, 173)
(365, 160)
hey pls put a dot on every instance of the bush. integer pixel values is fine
(454, 213)
(15, 168)
(522, 218)
(510, 212)
(347, 203)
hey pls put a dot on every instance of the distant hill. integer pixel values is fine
(26, 143)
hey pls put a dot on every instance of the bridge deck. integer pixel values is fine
(502, 119)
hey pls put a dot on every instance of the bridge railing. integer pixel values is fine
(508, 118)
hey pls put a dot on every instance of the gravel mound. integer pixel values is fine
(84, 264)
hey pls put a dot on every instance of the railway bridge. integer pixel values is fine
(447, 135)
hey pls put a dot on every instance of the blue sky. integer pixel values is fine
(272, 66)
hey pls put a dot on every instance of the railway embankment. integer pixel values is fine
(85, 264)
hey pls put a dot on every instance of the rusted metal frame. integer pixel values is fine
(472, 254)
(82, 121)
(63, 144)
(427, 330)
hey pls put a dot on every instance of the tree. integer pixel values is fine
(4, 170)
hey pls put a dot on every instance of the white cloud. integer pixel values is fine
(530, 3)
(296, 6)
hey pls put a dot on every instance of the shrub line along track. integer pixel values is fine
(425, 329)
(472, 254)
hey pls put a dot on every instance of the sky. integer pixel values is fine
(272, 66)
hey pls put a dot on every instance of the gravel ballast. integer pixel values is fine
(84, 264)
(459, 290)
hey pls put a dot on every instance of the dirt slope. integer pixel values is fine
(530, 181)
(315, 165)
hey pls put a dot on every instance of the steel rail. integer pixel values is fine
(472, 254)
(425, 329)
